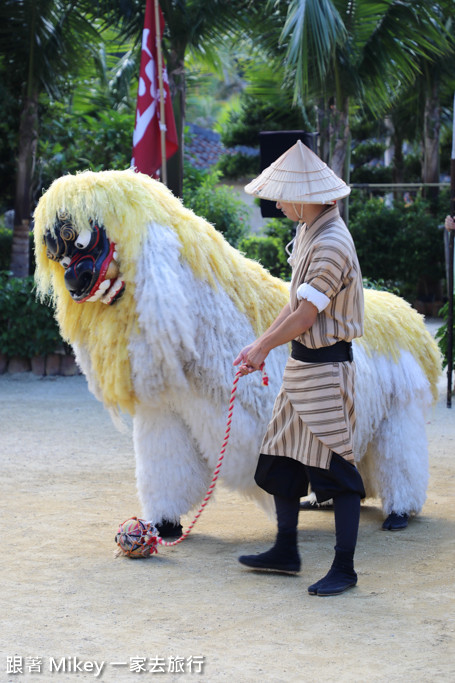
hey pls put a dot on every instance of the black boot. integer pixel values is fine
(168, 529)
(341, 575)
(395, 521)
(283, 557)
(339, 578)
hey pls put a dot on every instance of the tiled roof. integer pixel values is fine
(205, 147)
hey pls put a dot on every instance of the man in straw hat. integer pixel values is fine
(309, 438)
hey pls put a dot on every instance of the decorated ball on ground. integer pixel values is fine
(137, 538)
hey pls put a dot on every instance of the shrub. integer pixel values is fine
(238, 165)
(267, 250)
(370, 174)
(400, 245)
(282, 228)
(6, 240)
(270, 250)
(192, 179)
(98, 143)
(219, 205)
(380, 285)
(27, 327)
(366, 163)
(442, 335)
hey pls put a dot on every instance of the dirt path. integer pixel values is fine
(68, 480)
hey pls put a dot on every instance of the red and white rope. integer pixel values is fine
(219, 462)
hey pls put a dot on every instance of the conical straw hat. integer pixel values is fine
(299, 175)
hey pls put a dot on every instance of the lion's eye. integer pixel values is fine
(83, 239)
(65, 261)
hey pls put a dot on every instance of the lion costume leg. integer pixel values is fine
(395, 467)
(391, 445)
(171, 476)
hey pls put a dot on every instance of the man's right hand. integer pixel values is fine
(242, 357)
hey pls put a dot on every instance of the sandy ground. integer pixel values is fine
(193, 612)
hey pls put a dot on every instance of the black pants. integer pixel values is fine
(289, 478)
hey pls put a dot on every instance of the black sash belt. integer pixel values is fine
(337, 353)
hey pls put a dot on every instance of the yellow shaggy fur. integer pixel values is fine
(391, 326)
(125, 203)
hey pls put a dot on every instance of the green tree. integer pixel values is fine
(217, 204)
(356, 53)
(417, 112)
(258, 113)
(91, 127)
(41, 42)
(198, 26)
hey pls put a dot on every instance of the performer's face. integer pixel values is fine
(291, 210)
(92, 271)
(300, 212)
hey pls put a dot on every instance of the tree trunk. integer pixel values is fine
(28, 137)
(341, 133)
(397, 139)
(432, 125)
(324, 131)
(398, 158)
(177, 86)
(340, 156)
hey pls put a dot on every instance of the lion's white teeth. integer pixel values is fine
(96, 296)
(115, 255)
(116, 287)
(105, 285)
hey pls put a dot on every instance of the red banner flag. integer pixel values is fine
(147, 153)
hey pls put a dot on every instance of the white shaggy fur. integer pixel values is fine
(181, 359)
(390, 439)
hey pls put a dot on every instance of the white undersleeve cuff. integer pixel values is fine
(312, 295)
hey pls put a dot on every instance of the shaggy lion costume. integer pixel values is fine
(156, 305)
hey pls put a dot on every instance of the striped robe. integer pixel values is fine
(314, 412)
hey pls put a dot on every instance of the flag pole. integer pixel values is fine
(160, 84)
(450, 274)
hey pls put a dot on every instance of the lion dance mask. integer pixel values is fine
(89, 260)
